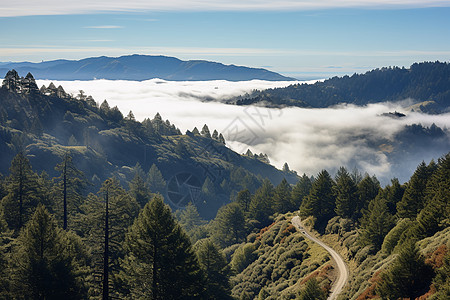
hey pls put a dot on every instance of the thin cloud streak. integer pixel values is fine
(308, 139)
(56, 7)
(104, 27)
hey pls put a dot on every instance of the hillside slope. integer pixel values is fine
(427, 83)
(48, 123)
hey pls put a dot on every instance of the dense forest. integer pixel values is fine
(84, 219)
(427, 83)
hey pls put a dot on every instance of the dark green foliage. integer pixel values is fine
(368, 189)
(244, 198)
(243, 256)
(47, 262)
(393, 193)
(408, 277)
(215, 269)
(24, 193)
(413, 199)
(312, 291)
(301, 190)
(376, 223)
(155, 180)
(261, 207)
(69, 188)
(282, 197)
(122, 209)
(229, 225)
(442, 279)
(320, 202)
(345, 192)
(392, 238)
(160, 262)
(422, 81)
(436, 213)
(139, 190)
(192, 223)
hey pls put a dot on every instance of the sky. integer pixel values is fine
(309, 140)
(305, 39)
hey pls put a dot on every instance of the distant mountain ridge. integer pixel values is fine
(140, 67)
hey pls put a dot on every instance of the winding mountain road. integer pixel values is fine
(342, 267)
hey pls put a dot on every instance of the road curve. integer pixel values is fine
(342, 267)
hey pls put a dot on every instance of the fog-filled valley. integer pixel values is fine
(309, 140)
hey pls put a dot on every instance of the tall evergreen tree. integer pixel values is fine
(436, 213)
(345, 192)
(160, 262)
(47, 262)
(23, 192)
(70, 186)
(320, 202)
(282, 197)
(261, 206)
(244, 198)
(102, 223)
(312, 291)
(215, 269)
(376, 222)
(192, 223)
(301, 190)
(413, 199)
(393, 194)
(408, 277)
(139, 190)
(229, 225)
(368, 189)
(155, 180)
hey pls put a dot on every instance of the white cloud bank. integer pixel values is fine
(58, 7)
(308, 139)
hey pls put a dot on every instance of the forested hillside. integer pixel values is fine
(427, 83)
(47, 123)
(82, 218)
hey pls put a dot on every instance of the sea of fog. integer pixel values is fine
(309, 140)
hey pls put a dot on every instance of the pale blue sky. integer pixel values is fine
(301, 41)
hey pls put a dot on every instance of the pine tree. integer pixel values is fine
(408, 277)
(192, 223)
(70, 185)
(5, 245)
(102, 223)
(413, 199)
(155, 180)
(368, 189)
(376, 223)
(23, 192)
(48, 263)
(394, 194)
(436, 213)
(215, 269)
(312, 291)
(205, 132)
(160, 262)
(282, 197)
(244, 198)
(301, 190)
(139, 190)
(320, 202)
(345, 192)
(261, 206)
(229, 225)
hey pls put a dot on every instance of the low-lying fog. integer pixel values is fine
(309, 140)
